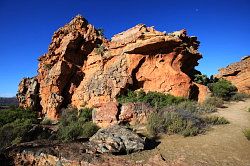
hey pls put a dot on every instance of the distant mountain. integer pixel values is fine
(7, 101)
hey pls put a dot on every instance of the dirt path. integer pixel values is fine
(222, 145)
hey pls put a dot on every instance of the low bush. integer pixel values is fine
(215, 120)
(247, 133)
(155, 99)
(46, 121)
(239, 97)
(214, 101)
(73, 125)
(195, 107)
(207, 108)
(13, 133)
(14, 124)
(223, 89)
(248, 109)
(201, 79)
(88, 129)
(175, 122)
(188, 105)
(8, 116)
(85, 115)
(155, 124)
(187, 120)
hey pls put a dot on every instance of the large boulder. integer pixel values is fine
(117, 139)
(136, 115)
(105, 114)
(238, 73)
(84, 69)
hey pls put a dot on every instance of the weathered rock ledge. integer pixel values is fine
(42, 153)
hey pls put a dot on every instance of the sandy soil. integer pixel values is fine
(222, 145)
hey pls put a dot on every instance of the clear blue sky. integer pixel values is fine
(222, 26)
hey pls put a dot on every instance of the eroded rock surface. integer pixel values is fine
(238, 73)
(105, 114)
(117, 139)
(136, 115)
(84, 69)
(28, 94)
(69, 154)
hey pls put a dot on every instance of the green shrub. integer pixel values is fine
(215, 120)
(239, 97)
(207, 108)
(13, 133)
(100, 31)
(88, 129)
(155, 99)
(174, 122)
(223, 89)
(214, 101)
(46, 121)
(201, 79)
(195, 107)
(14, 124)
(247, 133)
(85, 115)
(73, 126)
(188, 105)
(69, 132)
(248, 109)
(155, 124)
(8, 116)
(100, 49)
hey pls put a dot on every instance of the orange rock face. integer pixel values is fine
(84, 69)
(238, 73)
(105, 114)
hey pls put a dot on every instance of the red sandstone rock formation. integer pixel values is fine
(238, 73)
(84, 69)
(28, 94)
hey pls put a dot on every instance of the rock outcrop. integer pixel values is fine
(105, 114)
(71, 154)
(28, 94)
(238, 73)
(117, 139)
(134, 114)
(84, 69)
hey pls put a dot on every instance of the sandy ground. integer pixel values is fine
(221, 145)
